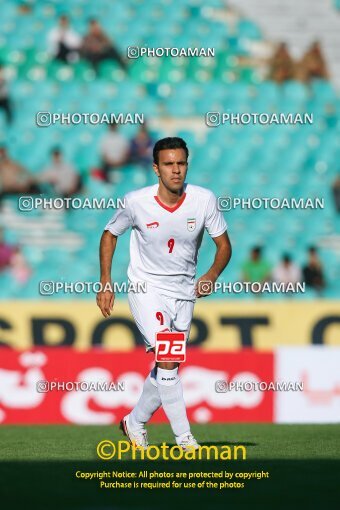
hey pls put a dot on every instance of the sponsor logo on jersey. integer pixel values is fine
(191, 224)
(154, 224)
(170, 346)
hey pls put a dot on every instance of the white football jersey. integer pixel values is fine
(165, 240)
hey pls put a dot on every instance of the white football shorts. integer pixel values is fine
(154, 312)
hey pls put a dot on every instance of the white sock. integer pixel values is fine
(171, 393)
(147, 405)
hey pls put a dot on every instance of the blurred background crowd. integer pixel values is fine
(67, 57)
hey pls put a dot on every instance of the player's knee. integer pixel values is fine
(167, 365)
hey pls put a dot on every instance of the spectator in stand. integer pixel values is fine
(286, 271)
(336, 193)
(61, 175)
(5, 103)
(312, 272)
(96, 46)
(312, 65)
(281, 65)
(24, 8)
(114, 152)
(6, 252)
(14, 179)
(330, 115)
(141, 147)
(12, 258)
(19, 267)
(64, 43)
(256, 269)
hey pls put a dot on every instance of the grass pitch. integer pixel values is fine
(38, 466)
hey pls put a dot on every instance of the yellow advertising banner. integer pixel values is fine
(217, 325)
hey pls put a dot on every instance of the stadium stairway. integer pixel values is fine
(298, 23)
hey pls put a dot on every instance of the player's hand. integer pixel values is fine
(205, 285)
(105, 300)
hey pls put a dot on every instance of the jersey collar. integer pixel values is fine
(175, 207)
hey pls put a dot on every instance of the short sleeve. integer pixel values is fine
(121, 220)
(214, 221)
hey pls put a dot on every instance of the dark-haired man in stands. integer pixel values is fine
(97, 46)
(256, 268)
(336, 193)
(287, 271)
(312, 65)
(281, 65)
(141, 147)
(64, 42)
(114, 149)
(61, 175)
(14, 178)
(5, 102)
(312, 272)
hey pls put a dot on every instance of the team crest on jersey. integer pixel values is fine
(191, 224)
(154, 224)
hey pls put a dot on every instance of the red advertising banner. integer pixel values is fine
(62, 385)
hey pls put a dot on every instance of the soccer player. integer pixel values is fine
(168, 221)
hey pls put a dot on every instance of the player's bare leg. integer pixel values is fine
(171, 394)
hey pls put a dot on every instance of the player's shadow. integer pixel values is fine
(218, 443)
(227, 443)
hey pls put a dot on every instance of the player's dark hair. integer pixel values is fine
(169, 143)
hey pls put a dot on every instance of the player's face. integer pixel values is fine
(172, 168)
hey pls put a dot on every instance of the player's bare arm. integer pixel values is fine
(106, 297)
(222, 257)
